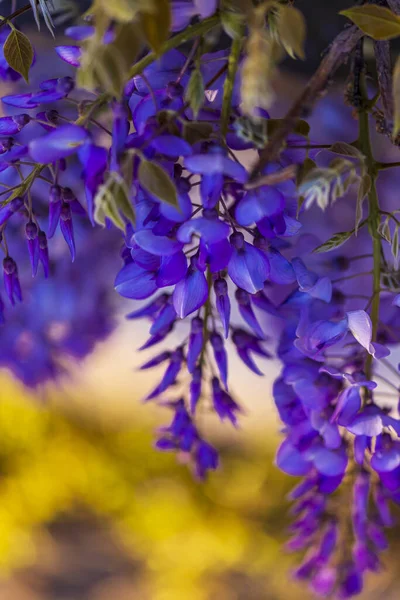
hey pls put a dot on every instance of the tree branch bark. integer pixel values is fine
(337, 54)
(384, 72)
(394, 6)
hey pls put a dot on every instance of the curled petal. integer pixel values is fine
(216, 163)
(171, 145)
(164, 320)
(12, 125)
(366, 424)
(360, 326)
(80, 32)
(135, 282)
(291, 461)
(386, 461)
(258, 204)
(159, 245)
(248, 361)
(249, 268)
(70, 54)
(172, 269)
(223, 305)
(211, 230)
(281, 271)
(190, 293)
(60, 143)
(330, 462)
(219, 255)
(20, 100)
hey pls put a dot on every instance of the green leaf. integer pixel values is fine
(378, 22)
(156, 25)
(363, 190)
(120, 10)
(345, 149)
(334, 242)
(18, 52)
(195, 91)
(307, 166)
(112, 199)
(232, 23)
(157, 182)
(396, 97)
(107, 66)
(196, 131)
(384, 230)
(291, 30)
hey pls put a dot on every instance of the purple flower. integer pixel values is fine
(249, 267)
(191, 292)
(60, 143)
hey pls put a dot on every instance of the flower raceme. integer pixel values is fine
(203, 244)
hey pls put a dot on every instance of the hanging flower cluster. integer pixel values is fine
(207, 243)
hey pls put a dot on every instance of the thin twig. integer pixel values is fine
(15, 14)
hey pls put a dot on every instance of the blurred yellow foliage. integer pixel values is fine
(187, 535)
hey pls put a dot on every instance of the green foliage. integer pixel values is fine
(345, 149)
(106, 66)
(291, 30)
(156, 25)
(196, 131)
(18, 52)
(157, 182)
(334, 242)
(195, 91)
(113, 198)
(378, 22)
(120, 10)
(363, 191)
(232, 23)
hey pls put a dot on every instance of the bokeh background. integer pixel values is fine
(90, 511)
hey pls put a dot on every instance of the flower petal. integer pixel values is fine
(249, 268)
(211, 230)
(291, 461)
(60, 143)
(258, 204)
(69, 54)
(160, 245)
(360, 326)
(190, 293)
(134, 282)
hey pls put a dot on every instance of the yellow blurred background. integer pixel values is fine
(89, 510)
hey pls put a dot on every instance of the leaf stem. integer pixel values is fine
(364, 141)
(207, 313)
(233, 63)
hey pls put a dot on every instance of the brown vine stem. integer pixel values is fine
(384, 73)
(337, 54)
